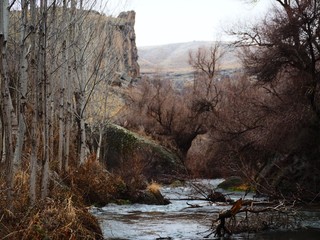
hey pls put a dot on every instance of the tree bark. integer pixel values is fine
(34, 103)
(44, 101)
(62, 107)
(22, 85)
(5, 97)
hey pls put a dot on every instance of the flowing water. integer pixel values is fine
(180, 221)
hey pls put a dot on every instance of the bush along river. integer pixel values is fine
(191, 216)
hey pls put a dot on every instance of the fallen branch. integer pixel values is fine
(279, 215)
(193, 205)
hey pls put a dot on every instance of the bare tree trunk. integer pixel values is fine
(53, 30)
(80, 94)
(71, 79)
(83, 141)
(22, 86)
(1, 138)
(44, 101)
(34, 104)
(99, 143)
(80, 99)
(103, 123)
(62, 89)
(7, 124)
(5, 97)
(68, 126)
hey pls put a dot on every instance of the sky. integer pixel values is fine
(173, 21)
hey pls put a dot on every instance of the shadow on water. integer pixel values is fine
(177, 221)
(301, 234)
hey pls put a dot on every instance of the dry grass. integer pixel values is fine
(60, 216)
(95, 184)
(154, 187)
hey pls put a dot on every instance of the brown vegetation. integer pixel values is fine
(281, 54)
(62, 215)
(245, 217)
(54, 55)
(94, 184)
(262, 123)
(176, 116)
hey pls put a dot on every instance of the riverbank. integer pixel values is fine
(118, 211)
(65, 214)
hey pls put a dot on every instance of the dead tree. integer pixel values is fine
(275, 216)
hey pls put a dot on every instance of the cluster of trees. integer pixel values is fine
(176, 116)
(262, 122)
(54, 56)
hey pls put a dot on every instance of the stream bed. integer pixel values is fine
(179, 221)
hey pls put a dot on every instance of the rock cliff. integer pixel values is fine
(122, 42)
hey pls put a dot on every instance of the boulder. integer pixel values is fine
(151, 198)
(231, 183)
(217, 197)
(126, 151)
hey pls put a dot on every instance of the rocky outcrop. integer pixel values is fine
(125, 151)
(122, 43)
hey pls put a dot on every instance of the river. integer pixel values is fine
(179, 221)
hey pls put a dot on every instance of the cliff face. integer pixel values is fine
(122, 43)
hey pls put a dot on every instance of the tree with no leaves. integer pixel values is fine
(286, 44)
(50, 52)
(282, 54)
(176, 115)
(6, 109)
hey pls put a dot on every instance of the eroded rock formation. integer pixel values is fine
(122, 43)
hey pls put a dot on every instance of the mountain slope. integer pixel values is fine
(174, 57)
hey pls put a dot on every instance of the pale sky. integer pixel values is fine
(172, 21)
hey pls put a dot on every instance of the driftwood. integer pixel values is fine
(279, 215)
(227, 214)
(193, 205)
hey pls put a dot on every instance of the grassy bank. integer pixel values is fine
(64, 213)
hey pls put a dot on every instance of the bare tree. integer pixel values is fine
(22, 84)
(205, 63)
(44, 97)
(167, 114)
(286, 44)
(63, 56)
(34, 134)
(281, 54)
(6, 100)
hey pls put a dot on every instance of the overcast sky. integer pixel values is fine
(172, 21)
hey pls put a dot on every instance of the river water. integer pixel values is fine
(180, 221)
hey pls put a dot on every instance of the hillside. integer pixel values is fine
(174, 57)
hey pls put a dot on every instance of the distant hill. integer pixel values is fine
(174, 57)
